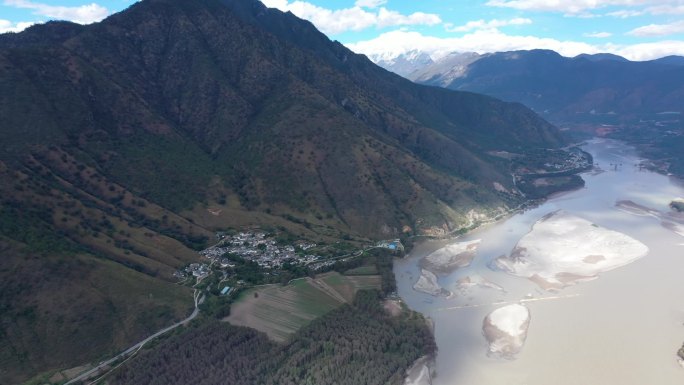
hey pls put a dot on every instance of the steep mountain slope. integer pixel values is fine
(126, 143)
(214, 82)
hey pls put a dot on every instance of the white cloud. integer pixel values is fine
(8, 26)
(600, 35)
(582, 15)
(650, 51)
(582, 8)
(658, 29)
(369, 3)
(394, 43)
(625, 13)
(568, 7)
(352, 19)
(391, 44)
(84, 14)
(666, 9)
(487, 25)
(565, 6)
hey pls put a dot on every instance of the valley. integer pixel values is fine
(215, 191)
(129, 143)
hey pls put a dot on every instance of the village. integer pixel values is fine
(271, 254)
(575, 160)
(258, 247)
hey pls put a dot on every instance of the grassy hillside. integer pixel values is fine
(61, 310)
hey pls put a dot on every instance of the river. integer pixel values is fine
(622, 328)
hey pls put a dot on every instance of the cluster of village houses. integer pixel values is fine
(575, 160)
(256, 246)
(251, 246)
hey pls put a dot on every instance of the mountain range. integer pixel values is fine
(562, 89)
(126, 144)
(599, 94)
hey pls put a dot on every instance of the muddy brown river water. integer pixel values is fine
(622, 328)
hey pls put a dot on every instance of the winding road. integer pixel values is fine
(134, 349)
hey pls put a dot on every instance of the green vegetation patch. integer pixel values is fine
(354, 344)
(59, 311)
(677, 205)
(168, 171)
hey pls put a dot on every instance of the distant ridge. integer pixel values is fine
(565, 89)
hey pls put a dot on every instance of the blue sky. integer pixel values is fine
(636, 29)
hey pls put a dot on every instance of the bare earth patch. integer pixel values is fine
(594, 259)
(392, 306)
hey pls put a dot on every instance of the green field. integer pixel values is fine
(280, 311)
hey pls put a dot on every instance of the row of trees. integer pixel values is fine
(356, 344)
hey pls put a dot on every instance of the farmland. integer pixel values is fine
(279, 311)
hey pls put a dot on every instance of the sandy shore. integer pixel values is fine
(673, 221)
(506, 330)
(427, 283)
(563, 249)
(451, 257)
(420, 373)
(636, 209)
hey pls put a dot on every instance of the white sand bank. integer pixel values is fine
(506, 330)
(427, 283)
(450, 257)
(563, 249)
(476, 281)
(673, 221)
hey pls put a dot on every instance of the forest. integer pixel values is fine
(356, 344)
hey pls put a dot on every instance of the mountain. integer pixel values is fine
(127, 143)
(229, 104)
(601, 57)
(403, 64)
(445, 69)
(600, 94)
(566, 90)
(672, 60)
